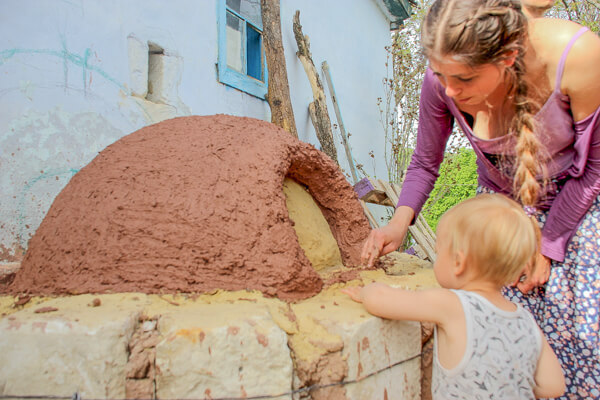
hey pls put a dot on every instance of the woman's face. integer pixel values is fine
(469, 86)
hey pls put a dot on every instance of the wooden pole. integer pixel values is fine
(318, 108)
(278, 95)
(338, 115)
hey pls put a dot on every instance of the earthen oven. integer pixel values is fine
(191, 205)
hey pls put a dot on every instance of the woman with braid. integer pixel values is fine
(526, 93)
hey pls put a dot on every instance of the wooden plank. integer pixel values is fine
(431, 232)
(338, 115)
(427, 232)
(421, 240)
(424, 227)
(419, 252)
(426, 241)
(397, 188)
(385, 193)
(366, 191)
(418, 231)
(363, 187)
(391, 193)
(367, 194)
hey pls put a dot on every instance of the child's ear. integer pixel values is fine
(460, 263)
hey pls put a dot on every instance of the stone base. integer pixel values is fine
(222, 345)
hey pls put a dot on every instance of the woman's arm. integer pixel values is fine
(435, 127)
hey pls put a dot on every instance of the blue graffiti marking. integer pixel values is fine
(85, 66)
(22, 197)
(67, 57)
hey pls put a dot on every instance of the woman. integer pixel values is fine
(527, 96)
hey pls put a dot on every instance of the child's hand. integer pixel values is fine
(355, 293)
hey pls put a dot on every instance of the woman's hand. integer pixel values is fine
(530, 279)
(388, 238)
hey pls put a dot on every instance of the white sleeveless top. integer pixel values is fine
(503, 348)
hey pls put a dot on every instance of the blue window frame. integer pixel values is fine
(242, 63)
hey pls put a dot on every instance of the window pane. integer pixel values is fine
(234, 5)
(234, 43)
(250, 9)
(254, 59)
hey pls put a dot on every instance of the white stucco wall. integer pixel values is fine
(67, 85)
(351, 37)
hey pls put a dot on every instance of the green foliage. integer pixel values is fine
(457, 182)
(585, 12)
(399, 107)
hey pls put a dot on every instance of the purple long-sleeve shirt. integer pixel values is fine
(571, 149)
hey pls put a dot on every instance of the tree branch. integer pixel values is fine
(278, 96)
(594, 3)
(318, 108)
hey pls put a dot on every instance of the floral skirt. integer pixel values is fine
(567, 307)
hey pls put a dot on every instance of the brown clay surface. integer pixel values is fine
(190, 204)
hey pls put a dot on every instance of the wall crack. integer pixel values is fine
(141, 364)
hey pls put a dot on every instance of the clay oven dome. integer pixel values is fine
(190, 204)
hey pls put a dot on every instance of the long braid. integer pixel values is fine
(526, 186)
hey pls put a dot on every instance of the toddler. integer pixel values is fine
(485, 347)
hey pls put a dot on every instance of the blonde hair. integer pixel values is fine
(478, 32)
(495, 235)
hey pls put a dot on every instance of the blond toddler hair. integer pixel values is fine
(494, 234)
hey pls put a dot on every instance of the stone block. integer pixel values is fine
(68, 345)
(400, 382)
(383, 357)
(370, 357)
(222, 351)
(374, 344)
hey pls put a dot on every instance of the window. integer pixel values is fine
(155, 72)
(242, 62)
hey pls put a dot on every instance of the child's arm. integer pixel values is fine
(435, 305)
(549, 378)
